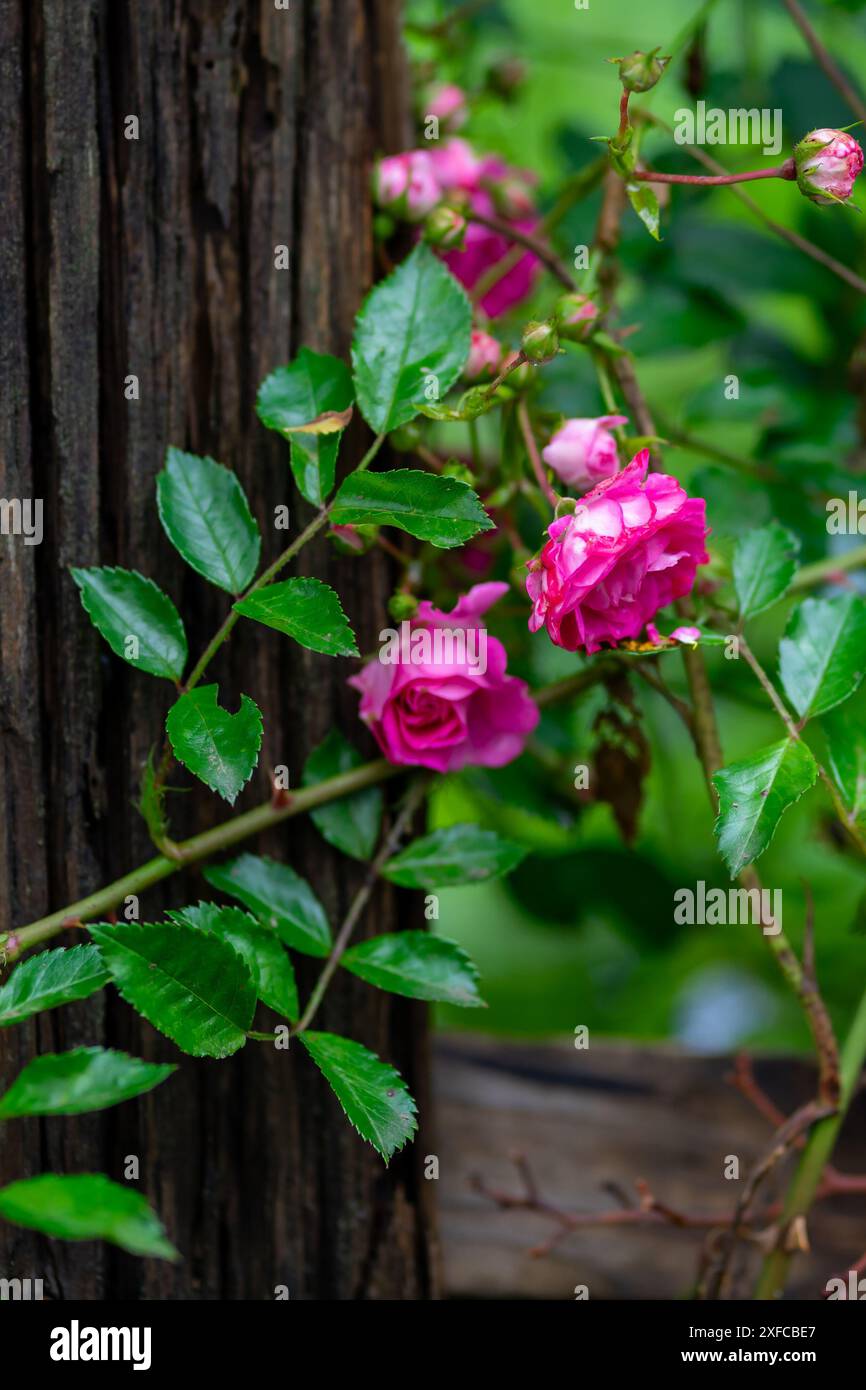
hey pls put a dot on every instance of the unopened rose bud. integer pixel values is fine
(485, 355)
(406, 185)
(640, 71)
(445, 228)
(575, 315)
(827, 163)
(513, 199)
(583, 452)
(402, 606)
(447, 103)
(353, 540)
(540, 342)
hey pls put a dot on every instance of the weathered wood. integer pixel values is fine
(155, 257)
(612, 1114)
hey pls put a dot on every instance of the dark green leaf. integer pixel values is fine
(191, 986)
(753, 795)
(138, 621)
(264, 953)
(846, 745)
(417, 965)
(822, 657)
(764, 564)
(411, 340)
(219, 748)
(206, 516)
(441, 510)
(372, 1094)
(49, 979)
(458, 854)
(279, 897)
(305, 609)
(86, 1206)
(296, 395)
(71, 1083)
(352, 822)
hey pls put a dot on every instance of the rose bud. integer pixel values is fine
(512, 198)
(402, 606)
(485, 355)
(445, 228)
(640, 71)
(827, 163)
(447, 103)
(406, 185)
(540, 342)
(574, 316)
(583, 452)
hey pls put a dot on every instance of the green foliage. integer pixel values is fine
(441, 510)
(646, 205)
(86, 1078)
(314, 384)
(279, 897)
(417, 965)
(206, 516)
(351, 823)
(271, 969)
(49, 979)
(413, 330)
(190, 985)
(219, 748)
(457, 854)
(822, 658)
(86, 1206)
(305, 609)
(764, 565)
(753, 795)
(846, 747)
(372, 1094)
(138, 621)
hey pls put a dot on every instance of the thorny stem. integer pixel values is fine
(532, 451)
(780, 171)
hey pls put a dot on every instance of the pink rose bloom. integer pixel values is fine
(485, 355)
(827, 162)
(406, 185)
(449, 714)
(456, 166)
(583, 452)
(447, 103)
(630, 547)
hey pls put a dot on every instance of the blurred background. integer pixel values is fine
(583, 932)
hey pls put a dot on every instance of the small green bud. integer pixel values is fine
(446, 228)
(640, 71)
(402, 606)
(575, 315)
(540, 342)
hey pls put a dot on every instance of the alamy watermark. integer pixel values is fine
(737, 126)
(714, 907)
(22, 517)
(437, 646)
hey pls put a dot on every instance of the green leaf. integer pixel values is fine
(86, 1206)
(265, 956)
(846, 747)
(193, 987)
(764, 564)
(279, 897)
(753, 795)
(151, 801)
(646, 205)
(138, 621)
(458, 854)
(87, 1078)
(822, 657)
(413, 330)
(50, 979)
(431, 507)
(219, 748)
(206, 516)
(305, 609)
(310, 386)
(352, 822)
(372, 1094)
(417, 965)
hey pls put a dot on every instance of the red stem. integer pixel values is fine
(782, 171)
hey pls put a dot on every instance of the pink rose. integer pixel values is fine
(485, 355)
(827, 162)
(453, 710)
(406, 185)
(456, 166)
(447, 103)
(583, 452)
(630, 547)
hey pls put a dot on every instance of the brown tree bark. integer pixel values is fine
(156, 257)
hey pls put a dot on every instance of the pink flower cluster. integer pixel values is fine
(630, 547)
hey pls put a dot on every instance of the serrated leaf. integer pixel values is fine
(193, 987)
(373, 1095)
(351, 823)
(82, 1080)
(86, 1206)
(754, 793)
(50, 979)
(219, 748)
(206, 516)
(764, 565)
(846, 747)
(413, 329)
(279, 897)
(441, 510)
(458, 854)
(264, 953)
(418, 965)
(822, 657)
(313, 385)
(646, 205)
(305, 609)
(138, 621)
